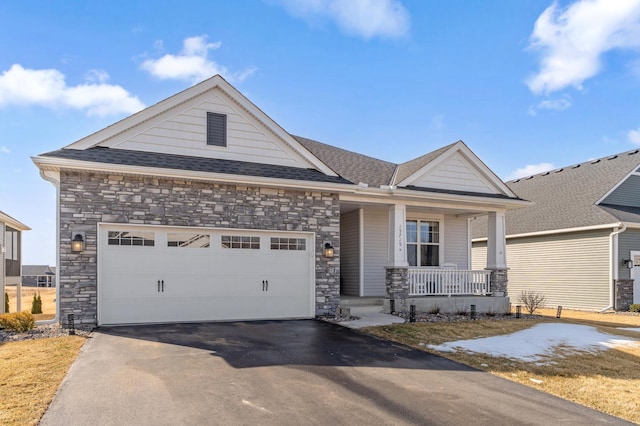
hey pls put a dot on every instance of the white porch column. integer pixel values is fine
(496, 242)
(397, 256)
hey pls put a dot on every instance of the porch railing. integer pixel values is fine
(438, 282)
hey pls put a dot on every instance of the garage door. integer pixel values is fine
(160, 274)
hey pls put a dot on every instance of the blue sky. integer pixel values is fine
(528, 85)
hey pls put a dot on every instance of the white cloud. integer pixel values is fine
(558, 104)
(363, 18)
(47, 88)
(192, 63)
(4, 150)
(529, 170)
(572, 40)
(633, 136)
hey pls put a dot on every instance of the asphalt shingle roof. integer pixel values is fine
(565, 198)
(196, 164)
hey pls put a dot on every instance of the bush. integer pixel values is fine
(635, 307)
(434, 309)
(532, 300)
(36, 305)
(6, 303)
(18, 321)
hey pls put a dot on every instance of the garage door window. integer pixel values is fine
(135, 238)
(240, 242)
(188, 239)
(288, 243)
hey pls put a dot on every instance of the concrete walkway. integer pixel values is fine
(372, 319)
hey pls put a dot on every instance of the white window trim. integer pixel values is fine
(430, 218)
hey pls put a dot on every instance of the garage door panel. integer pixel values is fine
(216, 282)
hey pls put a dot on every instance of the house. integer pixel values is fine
(10, 252)
(38, 275)
(579, 244)
(202, 208)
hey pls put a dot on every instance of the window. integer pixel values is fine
(186, 239)
(423, 242)
(240, 242)
(122, 238)
(288, 244)
(11, 242)
(216, 129)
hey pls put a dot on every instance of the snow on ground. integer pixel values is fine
(540, 341)
(630, 329)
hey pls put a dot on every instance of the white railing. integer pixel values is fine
(438, 282)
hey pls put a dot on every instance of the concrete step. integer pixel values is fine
(364, 310)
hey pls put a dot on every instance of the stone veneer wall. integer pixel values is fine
(89, 198)
(624, 294)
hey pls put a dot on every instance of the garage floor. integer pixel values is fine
(286, 372)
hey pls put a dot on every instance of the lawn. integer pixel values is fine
(30, 373)
(606, 381)
(47, 294)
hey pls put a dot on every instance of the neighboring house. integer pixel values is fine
(10, 252)
(38, 276)
(579, 243)
(203, 208)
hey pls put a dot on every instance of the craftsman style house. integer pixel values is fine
(202, 208)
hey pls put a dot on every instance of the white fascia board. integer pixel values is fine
(474, 159)
(187, 95)
(614, 225)
(632, 173)
(55, 164)
(14, 223)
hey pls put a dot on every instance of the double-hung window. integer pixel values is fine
(423, 242)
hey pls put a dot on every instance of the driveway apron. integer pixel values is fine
(286, 373)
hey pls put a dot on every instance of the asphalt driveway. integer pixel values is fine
(286, 372)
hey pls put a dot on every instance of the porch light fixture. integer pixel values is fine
(628, 263)
(328, 250)
(77, 244)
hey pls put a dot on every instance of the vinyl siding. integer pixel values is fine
(455, 173)
(456, 246)
(186, 134)
(376, 229)
(626, 194)
(571, 270)
(628, 241)
(350, 253)
(479, 255)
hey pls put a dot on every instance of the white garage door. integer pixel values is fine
(160, 274)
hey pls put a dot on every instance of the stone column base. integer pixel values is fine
(624, 294)
(397, 281)
(498, 282)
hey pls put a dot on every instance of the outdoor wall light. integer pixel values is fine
(77, 244)
(628, 263)
(328, 250)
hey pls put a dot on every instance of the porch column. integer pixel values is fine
(396, 271)
(497, 253)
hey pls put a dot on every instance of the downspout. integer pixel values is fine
(56, 183)
(613, 267)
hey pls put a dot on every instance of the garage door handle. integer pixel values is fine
(267, 285)
(162, 285)
(158, 286)
(263, 285)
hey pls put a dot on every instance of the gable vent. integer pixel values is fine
(216, 129)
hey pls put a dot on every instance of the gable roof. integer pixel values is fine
(31, 270)
(568, 197)
(14, 223)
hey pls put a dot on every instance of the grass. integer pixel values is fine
(30, 373)
(47, 294)
(606, 381)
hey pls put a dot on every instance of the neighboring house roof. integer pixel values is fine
(572, 197)
(14, 223)
(35, 270)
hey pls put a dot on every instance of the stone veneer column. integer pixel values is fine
(397, 280)
(498, 282)
(624, 294)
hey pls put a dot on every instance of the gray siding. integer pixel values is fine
(2, 268)
(627, 194)
(571, 270)
(376, 230)
(628, 241)
(456, 241)
(350, 253)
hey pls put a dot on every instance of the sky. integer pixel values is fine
(528, 85)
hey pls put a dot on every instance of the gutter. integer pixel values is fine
(613, 266)
(55, 181)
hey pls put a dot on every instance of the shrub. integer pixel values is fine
(461, 310)
(635, 307)
(6, 303)
(532, 300)
(36, 305)
(18, 321)
(434, 309)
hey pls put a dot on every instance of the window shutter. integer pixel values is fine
(216, 129)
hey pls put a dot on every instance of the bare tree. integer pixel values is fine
(532, 300)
